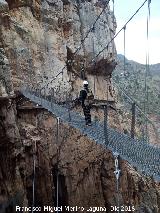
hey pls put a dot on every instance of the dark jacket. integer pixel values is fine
(82, 96)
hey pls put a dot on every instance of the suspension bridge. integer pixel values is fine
(138, 152)
(145, 157)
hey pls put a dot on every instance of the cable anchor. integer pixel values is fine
(117, 170)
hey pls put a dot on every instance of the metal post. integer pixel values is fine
(106, 124)
(133, 120)
(34, 172)
(117, 174)
(124, 50)
(94, 79)
(58, 122)
(57, 190)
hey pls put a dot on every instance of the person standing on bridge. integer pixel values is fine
(86, 98)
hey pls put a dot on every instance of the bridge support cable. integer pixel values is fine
(119, 31)
(57, 194)
(137, 152)
(57, 175)
(88, 34)
(93, 25)
(140, 116)
(61, 72)
(34, 175)
(94, 69)
(131, 100)
(94, 83)
(106, 125)
(133, 121)
(82, 42)
(124, 58)
(146, 96)
(117, 175)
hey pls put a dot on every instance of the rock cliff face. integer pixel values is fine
(40, 38)
(37, 39)
(85, 169)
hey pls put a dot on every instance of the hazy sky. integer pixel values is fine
(136, 30)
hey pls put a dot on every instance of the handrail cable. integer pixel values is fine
(79, 47)
(132, 100)
(105, 46)
(120, 29)
(91, 28)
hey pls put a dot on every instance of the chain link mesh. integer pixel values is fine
(143, 129)
(144, 156)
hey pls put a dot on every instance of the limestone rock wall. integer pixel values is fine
(86, 170)
(37, 39)
(40, 37)
(11, 181)
(6, 85)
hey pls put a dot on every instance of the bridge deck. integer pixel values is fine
(143, 156)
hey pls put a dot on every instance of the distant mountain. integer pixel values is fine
(132, 77)
(132, 65)
(155, 69)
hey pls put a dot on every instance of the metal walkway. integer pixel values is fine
(139, 154)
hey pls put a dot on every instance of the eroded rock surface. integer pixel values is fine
(37, 39)
(40, 38)
(86, 170)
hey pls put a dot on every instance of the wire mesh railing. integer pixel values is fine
(142, 155)
(134, 121)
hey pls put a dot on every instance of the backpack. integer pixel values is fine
(89, 98)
